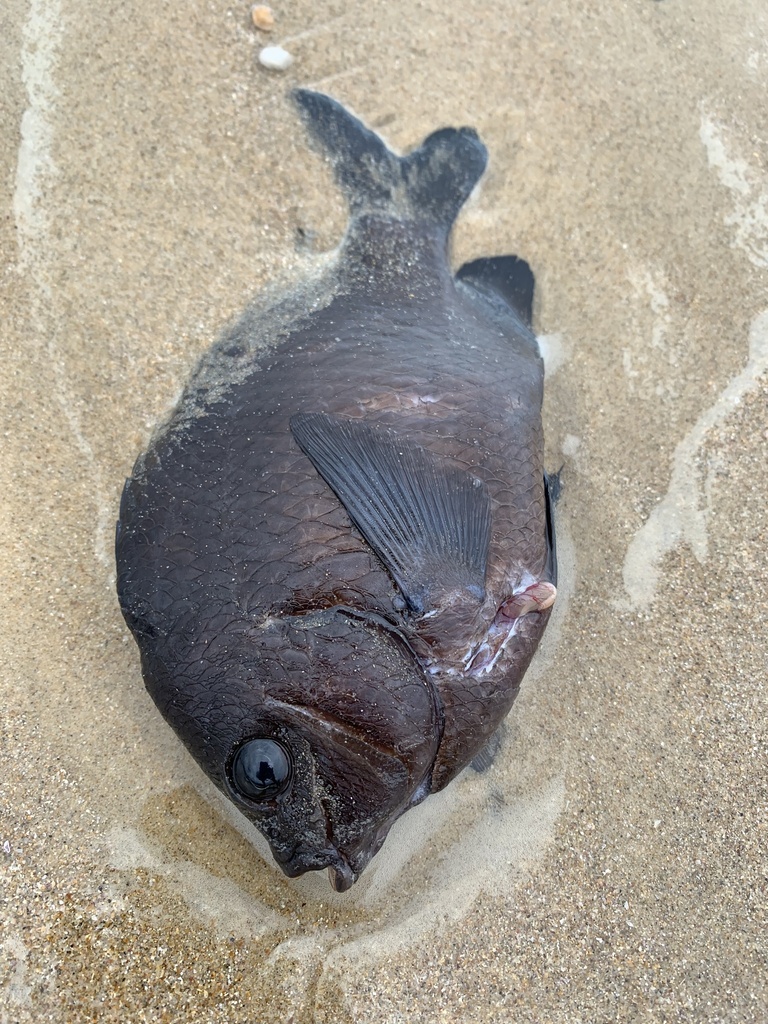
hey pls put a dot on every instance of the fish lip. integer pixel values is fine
(344, 867)
(341, 872)
(341, 875)
(300, 861)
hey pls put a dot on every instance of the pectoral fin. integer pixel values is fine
(427, 520)
(485, 757)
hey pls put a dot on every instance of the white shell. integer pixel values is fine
(275, 58)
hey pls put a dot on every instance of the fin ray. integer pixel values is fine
(487, 754)
(428, 521)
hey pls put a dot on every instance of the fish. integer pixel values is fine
(337, 555)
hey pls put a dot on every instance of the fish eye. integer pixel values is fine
(261, 769)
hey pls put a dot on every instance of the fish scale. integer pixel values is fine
(335, 635)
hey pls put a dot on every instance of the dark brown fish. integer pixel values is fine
(337, 557)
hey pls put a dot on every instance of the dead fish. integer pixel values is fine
(337, 557)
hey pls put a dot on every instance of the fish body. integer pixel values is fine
(337, 556)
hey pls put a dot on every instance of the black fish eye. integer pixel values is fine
(261, 769)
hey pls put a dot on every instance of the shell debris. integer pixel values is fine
(275, 58)
(262, 17)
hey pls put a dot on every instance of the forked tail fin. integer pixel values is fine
(431, 183)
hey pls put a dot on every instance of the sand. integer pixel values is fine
(612, 865)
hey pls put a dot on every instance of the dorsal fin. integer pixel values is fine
(431, 183)
(502, 277)
(427, 520)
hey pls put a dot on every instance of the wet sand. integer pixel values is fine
(612, 865)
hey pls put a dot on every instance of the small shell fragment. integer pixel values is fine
(262, 17)
(275, 58)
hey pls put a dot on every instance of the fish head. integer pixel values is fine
(321, 728)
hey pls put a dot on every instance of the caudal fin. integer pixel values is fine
(431, 183)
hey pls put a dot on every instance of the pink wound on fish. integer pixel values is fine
(536, 598)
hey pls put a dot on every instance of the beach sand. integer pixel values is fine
(612, 864)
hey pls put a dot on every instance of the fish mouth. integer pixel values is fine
(344, 867)
(341, 874)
